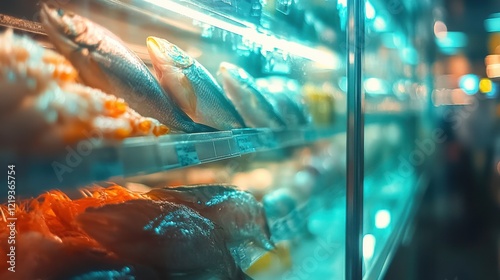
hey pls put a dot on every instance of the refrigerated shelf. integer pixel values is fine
(93, 160)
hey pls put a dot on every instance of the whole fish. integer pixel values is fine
(172, 238)
(193, 88)
(238, 213)
(240, 87)
(104, 62)
(286, 99)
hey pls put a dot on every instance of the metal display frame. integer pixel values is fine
(355, 141)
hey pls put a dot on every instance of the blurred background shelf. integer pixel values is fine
(400, 221)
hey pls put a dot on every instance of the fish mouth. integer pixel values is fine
(226, 65)
(51, 14)
(157, 54)
(229, 76)
(52, 24)
(50, 18)
(154, 44)
(224, 69)
(69, 32)
(227, 69)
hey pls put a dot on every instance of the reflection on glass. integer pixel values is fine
(440, 29)
(451, 42)
(382, 219)
(380, 24)
(369, 10)
(375, 86)
(492, 24)
(368, 246)
(469, 83)
(343, 84)
(485, 85)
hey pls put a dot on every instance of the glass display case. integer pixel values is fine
(244, 136)
(398, 148)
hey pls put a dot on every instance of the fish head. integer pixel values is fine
(68, 31)
(77, 38)
(165, 54)
(239, 85)
(169, 61)
(232, 72)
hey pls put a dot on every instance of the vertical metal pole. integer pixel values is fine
(355, 130)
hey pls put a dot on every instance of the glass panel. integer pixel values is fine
(398, 138)
(279, 65)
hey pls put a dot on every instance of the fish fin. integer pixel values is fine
(187, 100)
(190, 94)
(182, 196)
(173, 195)
(158, 194)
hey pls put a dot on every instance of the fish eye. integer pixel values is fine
(179, 56)
(175, 50)
(60, 12)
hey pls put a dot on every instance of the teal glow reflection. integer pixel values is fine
(342, 9)
(375, 86)
(393, 40)
(410, 55)
(380, 24)
(469, 83)
(492, 24)
(369, 10)
(493, 92)
(452, 39)
(343, 84)
(382, 219)
(368, 246)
